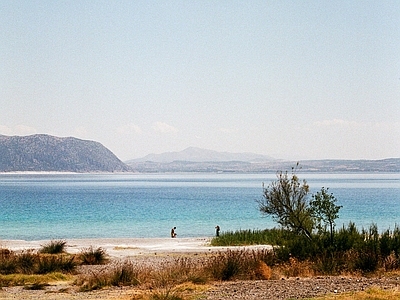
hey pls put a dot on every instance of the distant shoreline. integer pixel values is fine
(303, 171)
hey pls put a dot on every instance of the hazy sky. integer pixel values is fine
(290, 79)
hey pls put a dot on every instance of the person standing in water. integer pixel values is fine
(173, 234)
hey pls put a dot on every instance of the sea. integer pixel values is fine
(70, 206)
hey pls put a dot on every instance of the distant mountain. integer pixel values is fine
(201, 160)
(42, 152)
(193, 154)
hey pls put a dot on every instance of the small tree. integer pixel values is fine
(325, 211)
(286, 201)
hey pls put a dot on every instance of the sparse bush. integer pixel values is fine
(92, 256)
(391, 262)
(8, 264)
(226, 265)
(125, 274)
(55, 263)
(241, 264)
(26, 262)
(53, 247)
(297, 268)
(262, 271)
(95, 281)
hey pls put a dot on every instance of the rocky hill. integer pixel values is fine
(42, 152)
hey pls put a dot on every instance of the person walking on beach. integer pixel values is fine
(217, 229)
(173, 234)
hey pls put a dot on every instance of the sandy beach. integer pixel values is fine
(128, 247)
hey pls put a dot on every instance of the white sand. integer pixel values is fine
(126, 247)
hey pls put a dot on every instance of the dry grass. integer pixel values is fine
(370, 294)
(23, 279)
(179, 277)
(295, 268)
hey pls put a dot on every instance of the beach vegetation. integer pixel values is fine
(286, 200)
(324, 211)
(55, 263)
(29, 262)
(351, 251)
(184, 276)
(91, 256)
(34, 279)
(54, 247)
(240, 264)
(123, 274)
(249, 237)
(308, 234)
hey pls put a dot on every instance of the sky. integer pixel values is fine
(290, 79)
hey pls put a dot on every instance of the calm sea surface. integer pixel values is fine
(59, 206)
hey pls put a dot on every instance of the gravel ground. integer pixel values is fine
(248, 290)
(296, 288)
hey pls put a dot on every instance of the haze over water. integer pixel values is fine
(55, 206)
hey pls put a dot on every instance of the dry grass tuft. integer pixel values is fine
(263, 271)
(295, 268)
(91, 256)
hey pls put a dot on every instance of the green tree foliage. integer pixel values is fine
(286, 201)
(324, 211)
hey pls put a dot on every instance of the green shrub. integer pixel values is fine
(250, 237)
(347, 250)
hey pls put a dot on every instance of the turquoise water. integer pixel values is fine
(59, 206)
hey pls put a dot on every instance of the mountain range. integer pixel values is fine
(203, 160)
(43, 152)
(194, 154)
